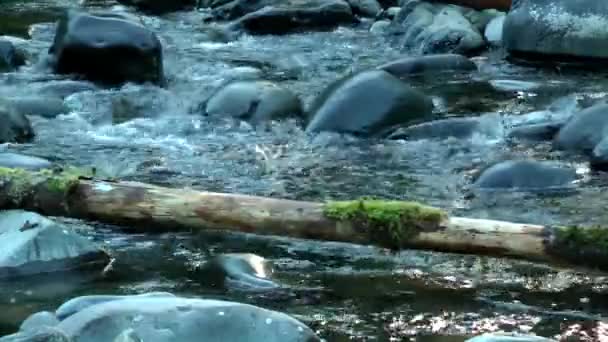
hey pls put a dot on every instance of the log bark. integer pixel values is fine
(389, 224)
(501, 5)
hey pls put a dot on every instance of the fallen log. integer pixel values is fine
(501, 5)
(389, 224)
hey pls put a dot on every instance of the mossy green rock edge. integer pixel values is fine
(586, 246)
(389, 224)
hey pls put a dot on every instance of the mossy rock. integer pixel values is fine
(586, 246)
(389, 224)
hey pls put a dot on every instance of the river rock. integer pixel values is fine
(167, 319)
(430, 64)
(106, 48)
(39, 320)
(599, 156)
(438, 129)
(493, 31)
(243, 271)
(432, 28)
(365, 8)
(10, 58)
(297, 15)
(44, 334)
(367, 103)
(21, 161)
(78, 304)
(535, 132)
(584, 130)
(46, 107)
(160, 6)
(64, 88)
(508, 338)
(525, 175)
(31, 244)
(557, 29)
(254, 101)
(14, 127)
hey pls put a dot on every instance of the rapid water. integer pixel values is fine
(345, 292)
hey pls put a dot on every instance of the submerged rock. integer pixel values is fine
(160, 6)
(430, 64)
(431, 28)
(106, 48)
(297, 15)
(254, 101)
(535, 132)
(584, 130)
(439, 129)
(599, 155)
(508, 338)
(365, 8)
(31, 244)
(45, 334)
(10, 58)
(21, 161)
(525, 175)
(557, 29)
(47, 107)
(237, 271)
(64, 88)
(39, 320)
(14, 127)
(169, 318)
(366, 104)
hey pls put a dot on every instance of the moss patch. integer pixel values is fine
(389, 224)
(581, 245)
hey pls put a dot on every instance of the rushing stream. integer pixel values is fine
(345, 292)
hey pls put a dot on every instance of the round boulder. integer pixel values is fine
(525, 175)
(106, 48)
(14, 127)
(367, 103)
(241, 271)
(31, 244)
(430, 64)
(557, 29)
(584, 130)
(254, 101)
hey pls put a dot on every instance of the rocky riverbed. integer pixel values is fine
(485, 115)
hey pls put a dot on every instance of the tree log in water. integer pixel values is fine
(501, 5)
(389, 224)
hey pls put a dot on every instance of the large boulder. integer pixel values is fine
(169, 318)
(160, 6)
(254, 101)
(430, 64)
(297, 15)
(584, 130)
(14, 127)
(557, 29)
(10, 58)
(432, 28)
(106, 48)
(525, 175)
(242, 271)
(31, 244)
(367, 103)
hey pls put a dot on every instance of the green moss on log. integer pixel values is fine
(390, 224)
(580, 245)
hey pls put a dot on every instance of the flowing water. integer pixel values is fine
(345, 292)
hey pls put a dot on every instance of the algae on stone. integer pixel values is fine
(388, 223)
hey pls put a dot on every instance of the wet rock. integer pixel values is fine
(525, 175)
(433, 28)
(106, 48)
(47, 107)
(439, 129)
(14, 127)
(254, 101)
(366, 104)
(241, 271)
(45, 334)
(21, 161)
(38, 321)
(78, 304)
(599, 156)
(380, 27)
(184, 320)
(493, 31)
(535, 132)
(10, 58)
(63, 89)
(557, 29)
(297, 15)
(31, 244)
(508, 338)
(584, 130)
(428, 65)
(160, 6)
(365, 8)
